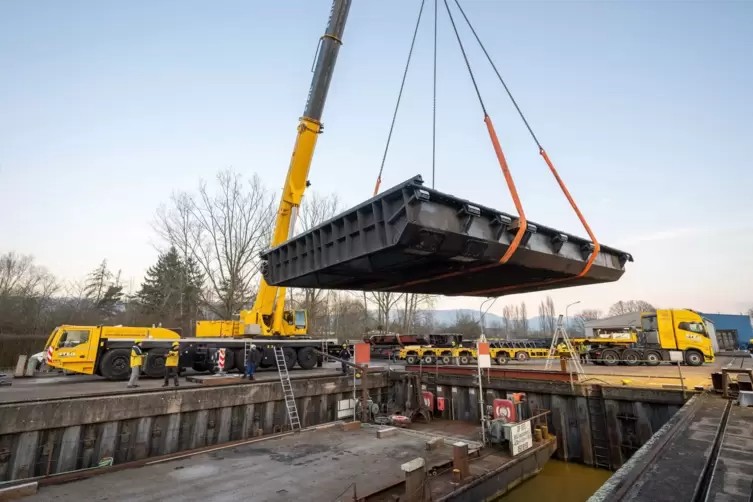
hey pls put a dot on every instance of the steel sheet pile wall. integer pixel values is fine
(47, 437)
(631, 415)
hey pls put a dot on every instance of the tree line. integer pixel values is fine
(208, 267)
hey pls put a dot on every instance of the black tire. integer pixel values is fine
(155, 363)
(693, 358)
(240, 360)
(200, 367)
(307, 358)
(522, 356)
(291, 357)
(610, 357)
(631, 357)
(116, 364)
(267, 359)
(446, 359)
(502, 359)
(429, 359)
(653, 358)
(411, 359)
(465, 358)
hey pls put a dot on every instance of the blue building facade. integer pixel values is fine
(732, 331)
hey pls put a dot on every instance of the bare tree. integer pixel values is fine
(583, 317)
(412, 303)
(26, 292)
(546, 314)
(314, 210)
(223, 230)
(508, 319)
(523, 319)
(626, 307)
(385, 301)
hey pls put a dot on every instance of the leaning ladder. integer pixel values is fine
(287, 389)
(560, 332)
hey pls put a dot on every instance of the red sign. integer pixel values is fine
(428, 398)
(441, 403)
(363, 353)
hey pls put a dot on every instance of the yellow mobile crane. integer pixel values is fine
(267, 317)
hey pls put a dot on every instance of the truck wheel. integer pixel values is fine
(307, 358)
(267, 359)
(116, 364)
(155, 363)
(411, 359)
(229, 360)
(652, 357)
(429, 359)
(290, 357)
(447, 359)
(693, 358)
(631, 357)
(465, 358)
(522, 356)
(610, 357)
(240, 360)
(502, 359)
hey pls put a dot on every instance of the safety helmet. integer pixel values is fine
(176, 345)
(345, 345)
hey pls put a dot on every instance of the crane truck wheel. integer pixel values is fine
(693, 358)
(116, 364)
(502, 359)
(290, 357)
(411, 359)
(631, 357)
(610, 357)
(522, 356)
(652, 357)
(465, 358)
(446, 359)
(429, 358)
(155, 363)
(307, 358)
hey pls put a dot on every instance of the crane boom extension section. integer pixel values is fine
(269, 308)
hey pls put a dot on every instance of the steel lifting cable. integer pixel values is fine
(522, 221)
(548, 161)
(434, 105)
(399, 97)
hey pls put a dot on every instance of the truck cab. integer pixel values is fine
(680, 330)
(102, 350)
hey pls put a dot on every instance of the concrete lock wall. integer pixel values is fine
(48, 437)
(619, 419)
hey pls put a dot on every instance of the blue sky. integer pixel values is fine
(108, 107)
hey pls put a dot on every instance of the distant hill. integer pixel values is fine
(449, 316)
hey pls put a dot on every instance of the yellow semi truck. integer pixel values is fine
(676, 335)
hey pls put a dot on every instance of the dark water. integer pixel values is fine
(559, 482)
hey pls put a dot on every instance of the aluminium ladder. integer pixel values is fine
(287, 389)
(560, 332)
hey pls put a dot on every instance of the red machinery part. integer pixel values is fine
(441, 404)
(428, 398)
(504, 409)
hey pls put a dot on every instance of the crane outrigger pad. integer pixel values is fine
(414, 239)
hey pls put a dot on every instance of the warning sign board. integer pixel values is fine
(484, 359)
(520, 436)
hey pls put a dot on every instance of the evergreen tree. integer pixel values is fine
(104, 290)
(170, 293)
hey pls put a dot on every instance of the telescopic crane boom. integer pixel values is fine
(268, 311)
